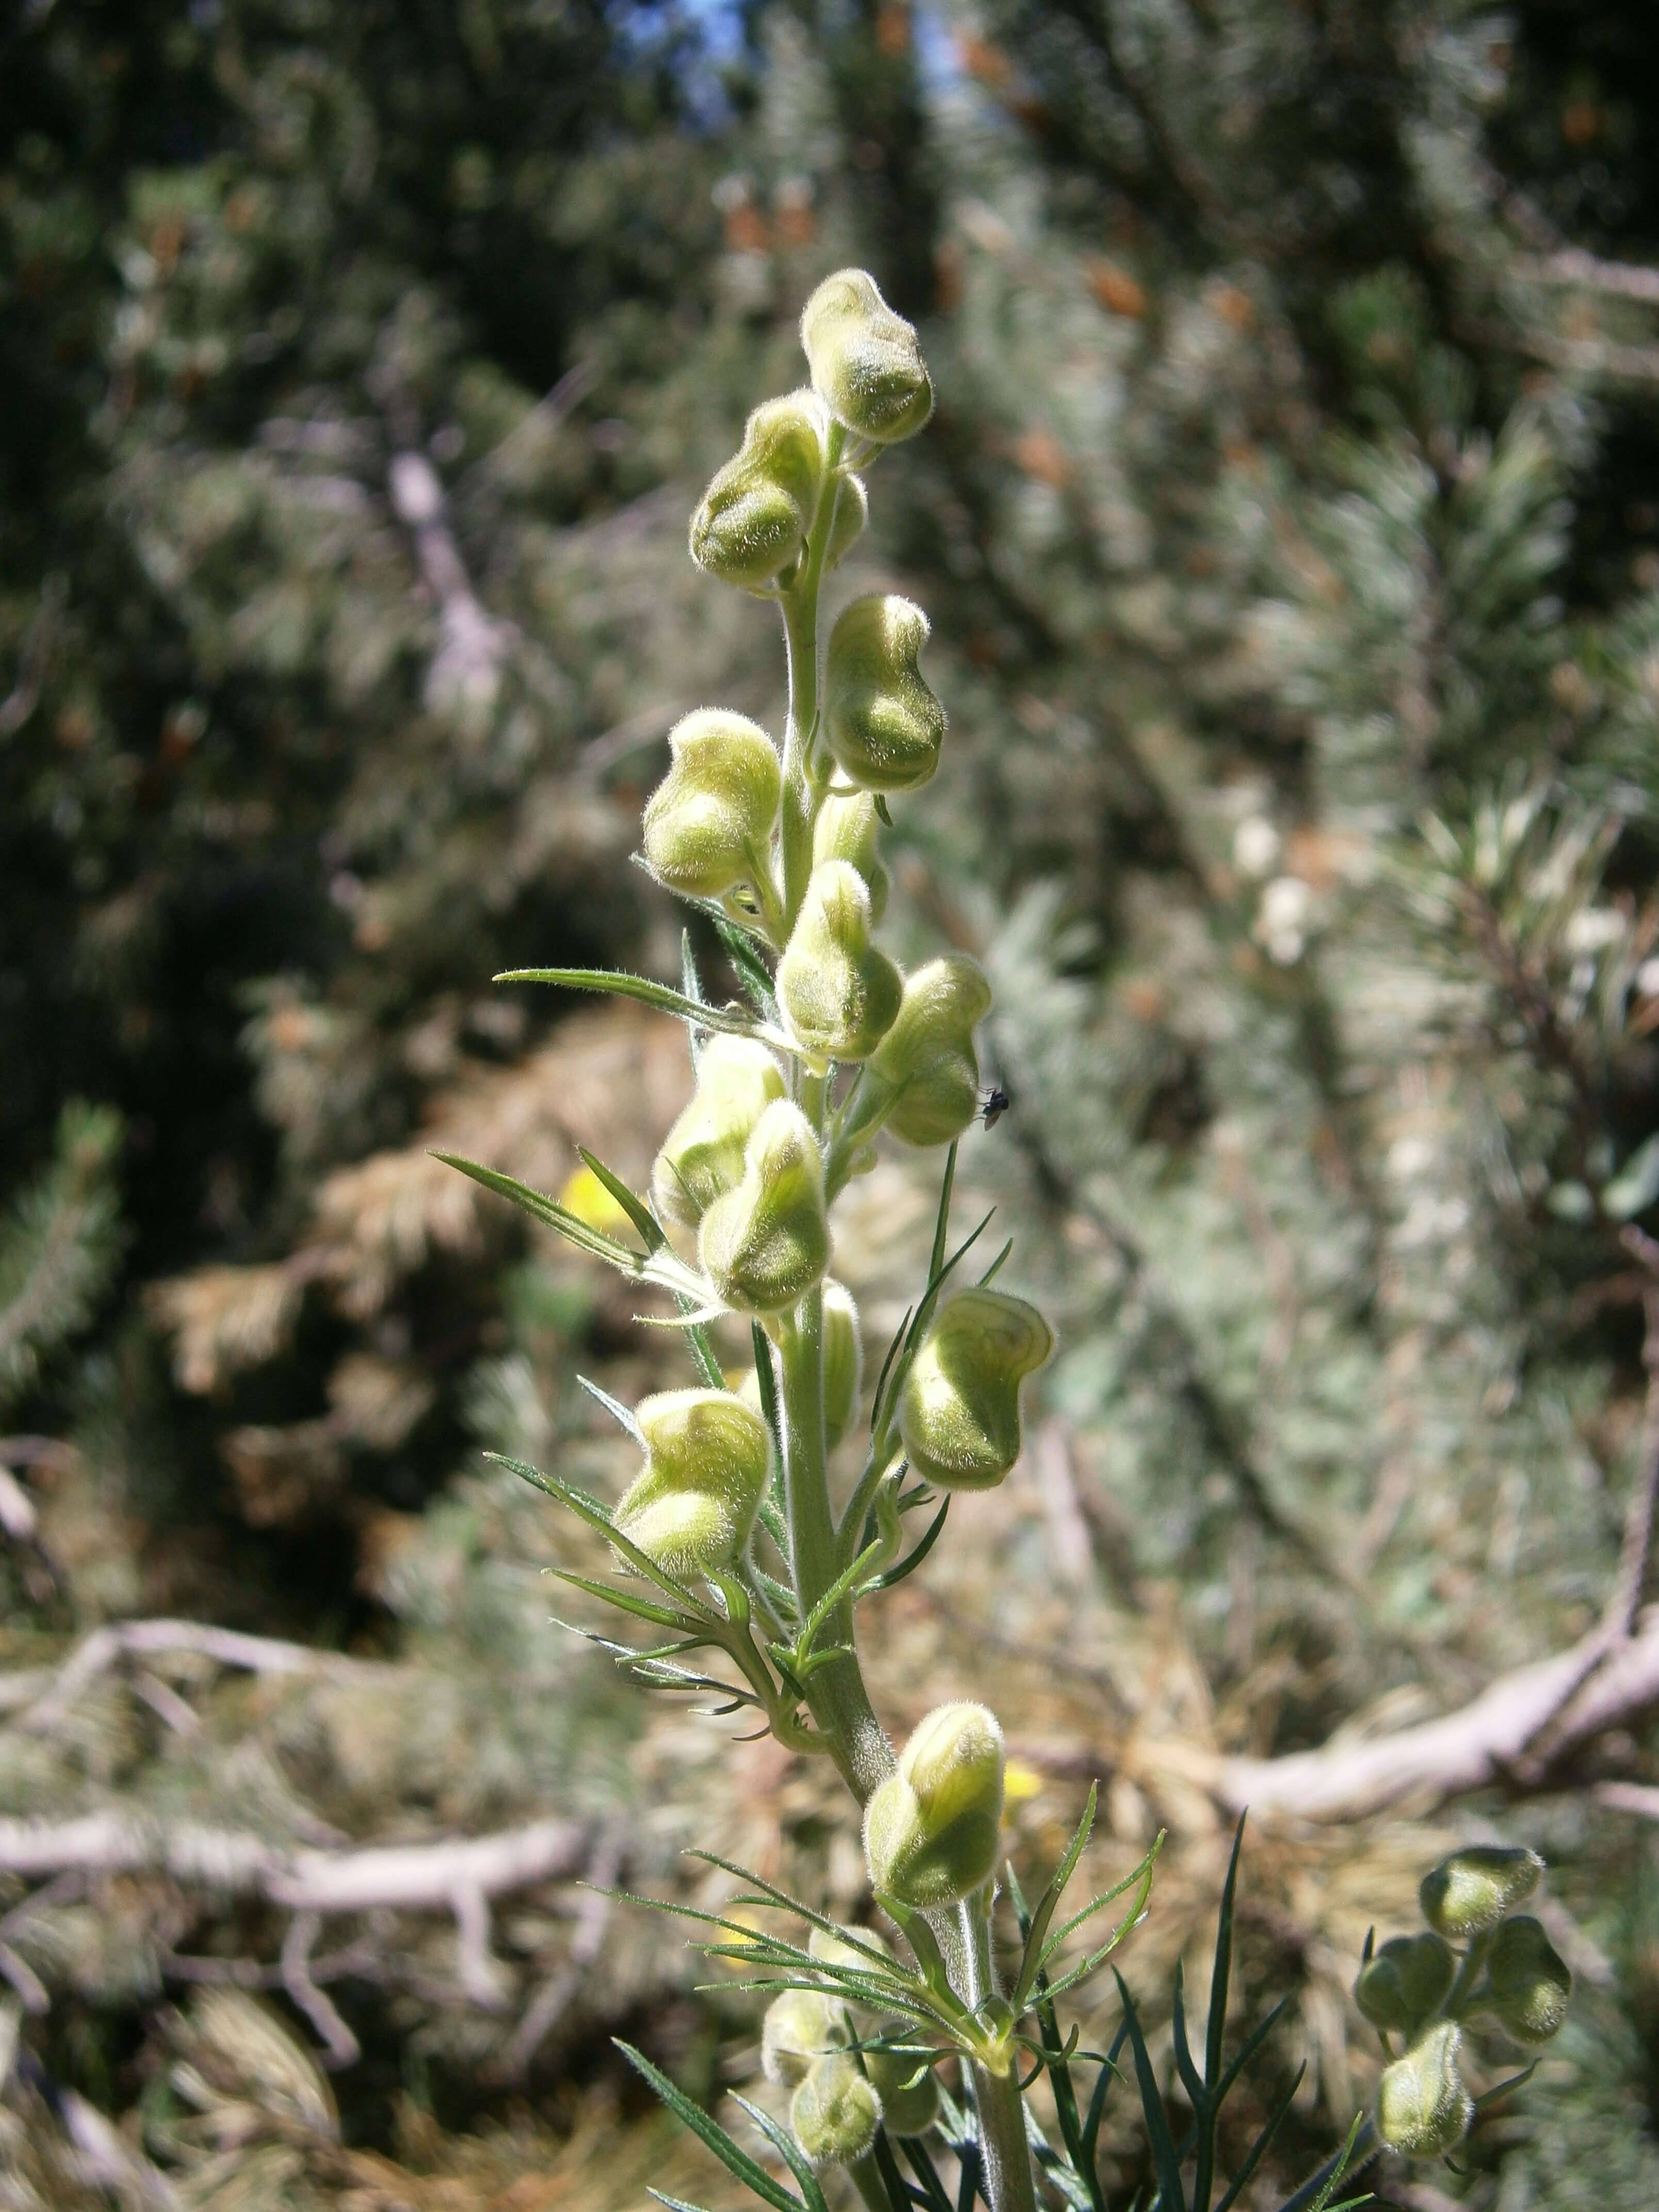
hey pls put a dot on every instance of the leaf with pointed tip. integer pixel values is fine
(1109, 2074)
(749, 968)
(1258, 2150)
(731, 2154)
(548, 1210)
(1031, 1962)
(786, 2149)
(922, 2166)
(621, 985)
(632, 1204)
(622, 1415)
(995, 1268)
(913, 1559)
(1165, 2164)
(590, 1510)
(1216, 2024)
(641, 1608)
(1191, 2080)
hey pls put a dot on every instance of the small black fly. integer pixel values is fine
(993, 1105)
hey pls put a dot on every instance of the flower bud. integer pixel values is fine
(847, 524)
(931, 1831)
(850, 830)
(706, 1466)
(839, 993)
(926, 1063)
(764, 1244)
(1529, 1980)
(907, 2086)
(1422, 2106)
(835, 2112)
(1406, 1982)
(708, 823)
(880, 720)
(959, 1409)
(864, 359)
(843, 1361)
(799, 2026)
(755, 516)
(1469, 1893)
(702, 1155)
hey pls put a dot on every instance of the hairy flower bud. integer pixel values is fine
(1406, 1982)
(753, 520)
(835, 2112)
(958, 1413)
(1469, 1893)
(1422, 2106)
(800, 2025)
(931, 1831)
(702, 1155)
(924, 1071)
(1529, 1980)
(838, 992)
(907, 2086)
(864, 359)
(764, 1244)
(880, 720)
(708, 823)
(850, 830)
(843, 1361)
(707, 1459)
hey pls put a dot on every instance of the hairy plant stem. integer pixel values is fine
(835, 1692)
(801, 790)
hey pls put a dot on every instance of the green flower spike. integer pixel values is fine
(1406, 1982)
(706, 1466)
(835, 2112)
(839, 993)
(925, 1072)
(1469, 1893)
(799, 2026)
(1422, 2106)
(959, 1409)
(1529, 1980)
(932, 1829)
(864, 359)
(850, 830)
(909, 2090)
(754, 517)
(843, 1361)
(702, 1155)
(766, 1244)
(882, 723)
(708, 823)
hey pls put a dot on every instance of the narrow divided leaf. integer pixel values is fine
(649, 994)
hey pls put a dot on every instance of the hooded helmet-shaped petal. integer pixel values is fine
(881, 722)
(959, 1408)
(690, 1509)
(766, 1244)
(839, 992)
(708, 823)
(864, 359)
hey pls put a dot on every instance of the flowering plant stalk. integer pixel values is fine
(733, 1550)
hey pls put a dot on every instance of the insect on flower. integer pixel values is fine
(993, 1105)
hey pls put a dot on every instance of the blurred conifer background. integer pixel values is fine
(1289, 528)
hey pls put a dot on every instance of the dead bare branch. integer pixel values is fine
(407, 1877)
(107, 1646)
